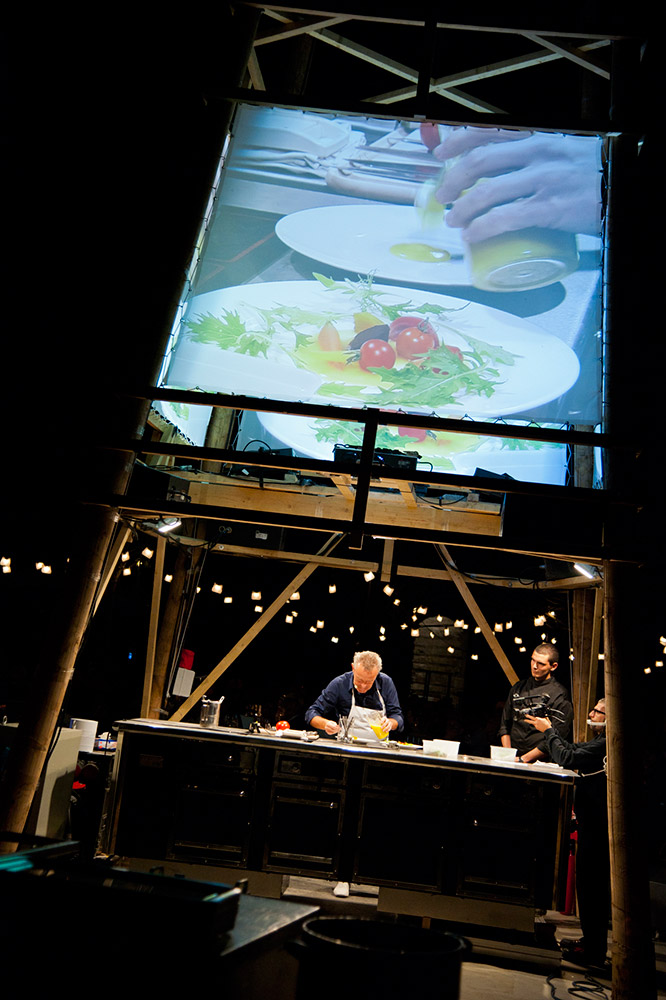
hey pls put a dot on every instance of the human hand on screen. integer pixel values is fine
(527, 179)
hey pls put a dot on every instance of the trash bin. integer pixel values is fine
(357, 956)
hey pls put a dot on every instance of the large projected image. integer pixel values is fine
(424, 269)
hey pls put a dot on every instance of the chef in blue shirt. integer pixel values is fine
(353, 702)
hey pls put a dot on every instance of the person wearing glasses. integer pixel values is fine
(592, 851)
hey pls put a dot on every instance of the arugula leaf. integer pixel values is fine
(229, 332)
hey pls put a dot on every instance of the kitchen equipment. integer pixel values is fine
(210, 712)
(502, 753)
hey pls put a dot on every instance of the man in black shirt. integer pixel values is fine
(539, 695)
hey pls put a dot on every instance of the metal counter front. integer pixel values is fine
(470, 838)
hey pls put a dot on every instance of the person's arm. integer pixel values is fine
(504, 731)
(562, 720)
(583, 757)
(325, 711)
(394, 716)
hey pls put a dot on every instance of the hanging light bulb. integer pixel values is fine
(289, 619)
(508, 625)
(127, 571)
(450, 649)
(38, 565)
(320, 624)
(647, 670)
(313, 628)
(517, 641)
(256, 595)
(334, 638)
(477, 630)
(368, 576)
(498, 627)
(168, 578)
(439, 618)
(388, 590)
(475, 656)
(147, 552)
(6, 568)
(382, 638)
(447, 631)
(397, 601)
(217, 588)
(258, 608)
(351, 629)
(124, 557)
(600, 656)
(295, 596)
(295, 614)
(458, 623)
(47, 570)
(522, 650)
(540, 620)
(404, 625)
(382, 630)
(228, 600)
(414, 632)
(422, 611)
(332, 588)
(6, 561)
(198, 590)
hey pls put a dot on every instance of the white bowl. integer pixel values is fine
(447, 748)
(502, 753)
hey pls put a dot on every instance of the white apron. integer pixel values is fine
(359, 721)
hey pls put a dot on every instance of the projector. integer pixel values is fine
(389, 458)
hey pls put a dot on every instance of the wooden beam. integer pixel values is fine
(254, 69)
(574, 55)
(479, 617)
(387, 561)
(251, 633)
(293, 28)
(442, 84)
(158, 573)
(111, 561)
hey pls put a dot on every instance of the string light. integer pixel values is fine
(404, 625)
(658, 663)
(451, 649)
(228, 600)
(313, 628)
(543, 635)
(168, 578)
(382, 638)
(447, 631)
(415, 632)
(475, 656)
(551, 614)
(439, 618)
(517, 641)
(397, 601)
(477, 630)
(295, 596)
(127, 571)
(217, 588)
(422, 611)
(289, 619)
(600, 656)
(124, 557)
(459, 622)
(498, 627)
(198, 590)
(295, 614)
(508, 625)
(6, 561)
(38, 565)
(258, 608)
(382, 630)
(522, 650)
(148, 553)
(647, 670)
(432, 635)
(334, 638)
(571, 656)
(414, 618)
(368, 576)
(320, 624)
(332, 588)
(256, 595)
(6, 568)
(539, 620)
(465, 625)
(351, 629)
(388, 590)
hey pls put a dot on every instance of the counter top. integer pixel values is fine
(407, 755)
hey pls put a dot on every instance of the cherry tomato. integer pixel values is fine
(429, 133)
(406, 322)
(414, 342)
(282, 724)
(376, 354)
(455, 350)
(413, 432)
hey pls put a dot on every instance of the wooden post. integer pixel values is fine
(587, 615)
(158, 573)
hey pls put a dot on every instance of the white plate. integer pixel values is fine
(359, 238)
(282, 375)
